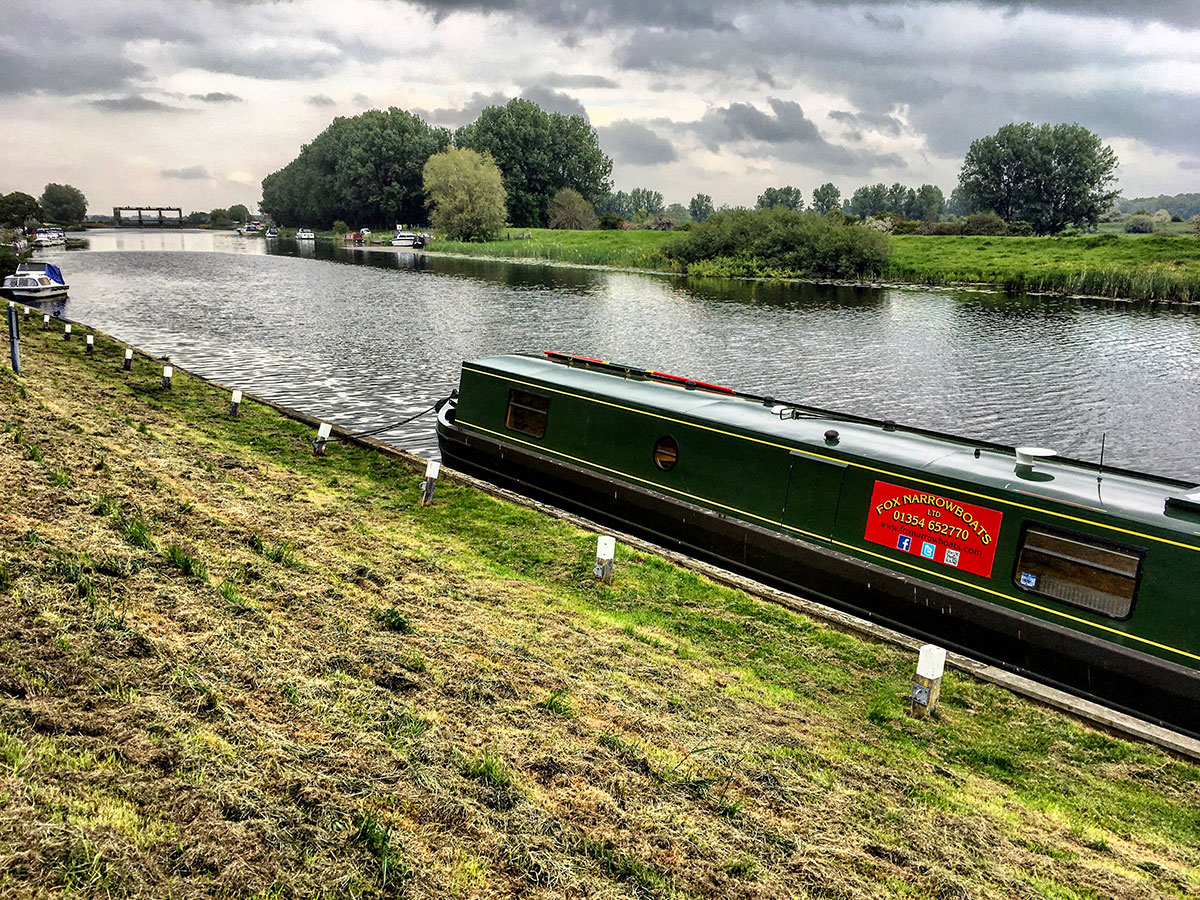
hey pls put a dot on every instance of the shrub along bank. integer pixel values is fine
(228, 668)
(779, 243)
(1136, 267)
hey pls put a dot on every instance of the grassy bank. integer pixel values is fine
(620, 249)
(1136, 267)
(230, 668)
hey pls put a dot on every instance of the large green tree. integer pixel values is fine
(538, 153)
(63, 203)
(366, 169)
(1051, 176)
(466, 193)
(826, 198)
(239, 213)
(17, 208)
(701, 207)
(788, 197)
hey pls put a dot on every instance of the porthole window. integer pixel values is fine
(666, 453)
(527, 413)
(1095, 575)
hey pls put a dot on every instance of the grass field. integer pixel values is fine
(1136, 267)
(231, 669)
(620, 249)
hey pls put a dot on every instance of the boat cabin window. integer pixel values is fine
(666, 453)
(527, 412)
(1078, 569)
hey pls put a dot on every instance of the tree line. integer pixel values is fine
(61, 204)
(370, 168)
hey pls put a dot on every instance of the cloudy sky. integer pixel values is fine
(191, 102)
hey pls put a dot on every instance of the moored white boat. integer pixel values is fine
(408, 239)
(305, 234)
(35, 281)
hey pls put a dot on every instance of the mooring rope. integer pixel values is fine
(382, 428)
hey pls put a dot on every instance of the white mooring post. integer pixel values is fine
(322, 436)
(27, 312)
(235, 403)
(46, 322)
(606, 549)
(91, 344)
(127, 363)
(432, 469)
(168, 371)
(927, 686)
(67, 332)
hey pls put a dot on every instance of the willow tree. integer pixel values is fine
(466, 195)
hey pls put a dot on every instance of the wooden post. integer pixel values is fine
(927, 686)
(127, 363)
(168, 371)
(235, 403)
(322, 436)
(67, 332)
(430, 483)
(14, 340)
(606, 547)
(91, 344)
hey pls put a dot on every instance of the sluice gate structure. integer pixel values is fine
(158, 216)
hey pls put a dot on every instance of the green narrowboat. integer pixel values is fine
(1082, 577)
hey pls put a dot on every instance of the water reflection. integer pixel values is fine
(366, 336)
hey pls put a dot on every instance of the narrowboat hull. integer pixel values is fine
(1056, 649)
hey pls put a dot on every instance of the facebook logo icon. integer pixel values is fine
(904, 542)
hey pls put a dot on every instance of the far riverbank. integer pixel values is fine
(1151, 268)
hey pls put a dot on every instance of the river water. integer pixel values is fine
(368, 337)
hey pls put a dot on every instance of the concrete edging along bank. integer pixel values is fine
(1094, 713)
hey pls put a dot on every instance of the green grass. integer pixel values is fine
(617, 248)
(185, 562)
(1161, 267)
(1138, 267)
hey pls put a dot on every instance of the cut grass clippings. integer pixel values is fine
(228, 668)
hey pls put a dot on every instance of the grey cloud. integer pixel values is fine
(785, 133)
(693, 15)
(635, 144)
(554, 101)
(1190, 165)
(454, 117)
(578, 16)
(361, 100)
(191, 173)
(320, 100)
(563, 80)
(216, 97)
(870, 120)
(741, 121)
(132, 103)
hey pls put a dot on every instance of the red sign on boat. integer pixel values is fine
(939, 530)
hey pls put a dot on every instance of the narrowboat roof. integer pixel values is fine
(880, 446)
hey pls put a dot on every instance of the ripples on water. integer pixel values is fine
(365, 337)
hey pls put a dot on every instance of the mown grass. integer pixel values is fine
(526, 731)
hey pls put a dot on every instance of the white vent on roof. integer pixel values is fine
(1028, 456)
